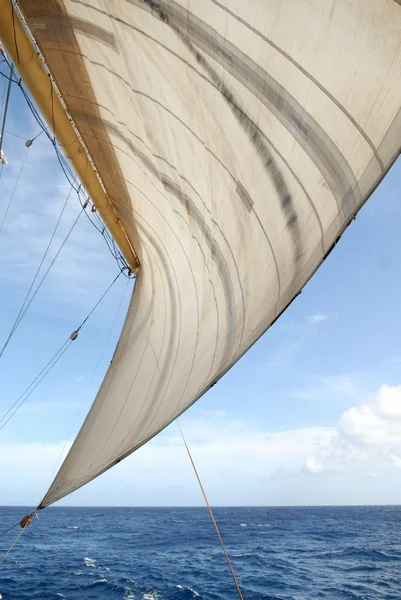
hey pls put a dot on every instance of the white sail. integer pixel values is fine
(237, 139)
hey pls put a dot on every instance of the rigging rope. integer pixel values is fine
(46, 536)
(5, 109)
(52, 362)
(118, 256)
(13, 192)
(90, 382)
(34, 384)
(9, 529)
(14, 542)
(211, 513)
(26, 304)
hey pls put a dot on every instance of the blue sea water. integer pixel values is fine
(174, 554)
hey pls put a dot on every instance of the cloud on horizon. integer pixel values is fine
(239, 464)
(367, 439)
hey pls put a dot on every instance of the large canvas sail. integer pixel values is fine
(236, 139)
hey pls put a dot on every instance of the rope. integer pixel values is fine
(90, 382)
(13, 192)
(99, 301)
(9, 529)
(52, 362)
(13, 544)
(211, 514)
(59, 558)
(34, 384)
(68, 173)
(5, 109)
(22, 311)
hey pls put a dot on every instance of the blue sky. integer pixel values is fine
(310, 415)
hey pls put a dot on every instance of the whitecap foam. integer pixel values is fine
(104, 580)
(182, 587)
(150, 596)
(71, 527)
(243, 524)
(90, 562)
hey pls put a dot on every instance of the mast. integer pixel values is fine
(19, 45)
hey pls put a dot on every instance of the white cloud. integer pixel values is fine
(316, 319)
(367, 440)
(236, 465)
(239, 464)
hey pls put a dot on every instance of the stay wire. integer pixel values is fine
(34, 384)
(90, 382)
(47, 538)
(99, 301)
(13, 192)
(211, 514)
(13, 544)
(66, 168)
(5, 109)
(20, 315)
(52, 362)
(28, 304)
(9, 529)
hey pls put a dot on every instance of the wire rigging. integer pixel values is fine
(14, 190)
(91, 381)
(9, 529)
(5, 111)
(25, 305)
(49, 366)
(211, 513)
(34, 384)
(69, 174)
(47, 538)
(13, 544)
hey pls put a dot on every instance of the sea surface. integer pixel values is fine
(174, 554)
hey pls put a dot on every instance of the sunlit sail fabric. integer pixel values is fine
(237, 139)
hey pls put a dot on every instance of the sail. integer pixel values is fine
(236, 140)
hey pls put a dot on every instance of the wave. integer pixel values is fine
(181, 587)
(72, 527)
(255, 525)
(90, 562)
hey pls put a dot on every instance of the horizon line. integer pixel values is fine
(214, 506)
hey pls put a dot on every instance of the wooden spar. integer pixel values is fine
(31, 67)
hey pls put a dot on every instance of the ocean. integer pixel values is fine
(174, 554)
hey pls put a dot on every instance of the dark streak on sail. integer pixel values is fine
(215, 250)
(245, 197)
(253, 133)
(306, 131)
